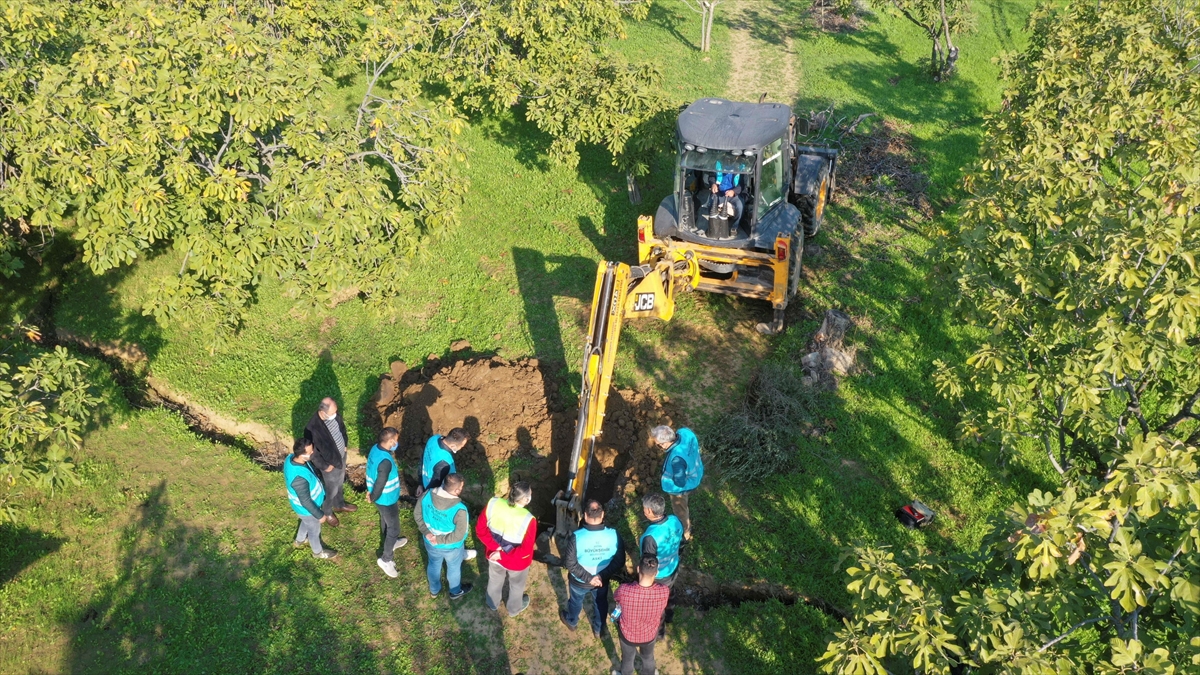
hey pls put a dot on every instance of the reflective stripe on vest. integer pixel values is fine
(507, 523)
(391, 489)
(687, 476)
(441, 522)
(594, 549)
(316, 489)
(667, 534)
(434, 453)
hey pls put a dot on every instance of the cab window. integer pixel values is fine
(771, 191)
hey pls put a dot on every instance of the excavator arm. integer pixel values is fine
(622, 292)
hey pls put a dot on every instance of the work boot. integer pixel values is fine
(327, 554)
(562, 616)
(389, 568)
(400, 543)
(346, 508)
(462, 590)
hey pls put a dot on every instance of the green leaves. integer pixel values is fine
(45, 399)
(1077, 246)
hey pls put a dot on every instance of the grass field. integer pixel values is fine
(140, 574)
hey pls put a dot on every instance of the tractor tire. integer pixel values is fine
(816, 208)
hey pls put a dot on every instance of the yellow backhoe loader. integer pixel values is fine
(746, 195)
(622, 292)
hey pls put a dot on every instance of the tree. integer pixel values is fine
(938, 19)
(549, 57)
(45, 399)
(1076, 250)
(209, 126)
(216, 128)
(706, 9)
(1102, 577)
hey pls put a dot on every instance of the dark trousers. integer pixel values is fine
(334, 485)
(389, 528)
(627, 653)
(576, 594)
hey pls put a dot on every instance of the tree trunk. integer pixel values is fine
(635, 195)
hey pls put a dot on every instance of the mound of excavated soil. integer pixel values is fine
(512, 412)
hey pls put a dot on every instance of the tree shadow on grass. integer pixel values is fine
(323, 382)
(672, 19)
(21, 547)
(180, 603)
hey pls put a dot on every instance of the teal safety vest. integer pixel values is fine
(594, 549)
(442, 522)
(667, 533)
(316, 489)
(391, 489)
(434, 454)
(682, 467)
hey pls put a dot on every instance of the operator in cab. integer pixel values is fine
(728, 185)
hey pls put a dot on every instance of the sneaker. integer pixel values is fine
(299, 544)
(524, 606)
(400, 543)
(326, 554)
(488, 601)
(462, 590)
(471, 554)
(600, 634)
(389, 568)
(434, 595)
(562, 616)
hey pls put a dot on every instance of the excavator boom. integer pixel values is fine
(621, 292)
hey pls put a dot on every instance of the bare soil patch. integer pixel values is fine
(514, 414)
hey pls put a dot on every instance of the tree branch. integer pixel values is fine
(1072, 629)
(1184, 413)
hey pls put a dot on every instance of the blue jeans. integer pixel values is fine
(453, 557)
(575, 603)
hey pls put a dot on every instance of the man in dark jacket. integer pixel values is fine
(327, 432)
(592, 555)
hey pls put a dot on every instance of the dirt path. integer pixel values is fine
(762, 59)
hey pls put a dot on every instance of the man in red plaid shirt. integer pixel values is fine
(641, 608)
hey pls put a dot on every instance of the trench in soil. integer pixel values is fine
(515, 415)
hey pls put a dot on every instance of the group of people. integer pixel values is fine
(593, 555)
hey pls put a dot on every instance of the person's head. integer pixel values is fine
(663, 435)
(520, 494)
(648, 571)
(328, 408)
(389, 438)
(593, 513)
(302, 450)
(654, 506)
(457, 439)
(453, 484)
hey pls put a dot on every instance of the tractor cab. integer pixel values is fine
(732, 170)
(746, 196)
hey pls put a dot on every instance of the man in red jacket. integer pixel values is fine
(508, 532)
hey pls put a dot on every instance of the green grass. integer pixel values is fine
(515, 279)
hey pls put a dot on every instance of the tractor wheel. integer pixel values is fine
(795, 265)
(816, 215)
